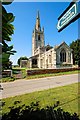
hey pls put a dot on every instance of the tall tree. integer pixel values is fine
(7, 31)
(75, 45)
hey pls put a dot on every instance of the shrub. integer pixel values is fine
(33, 112)
(49, 71)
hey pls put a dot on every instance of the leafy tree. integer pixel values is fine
(21, 58)
(7, 31)
(75, 45)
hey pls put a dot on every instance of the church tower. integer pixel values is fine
(37, 35)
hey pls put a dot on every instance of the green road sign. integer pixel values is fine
(67, 17)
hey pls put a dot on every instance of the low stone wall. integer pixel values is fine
(49, 71)
(7, 73)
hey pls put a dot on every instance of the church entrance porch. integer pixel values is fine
(34, 61)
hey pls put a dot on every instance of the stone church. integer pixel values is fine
(48, 56)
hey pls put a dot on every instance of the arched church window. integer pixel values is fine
(69, 57)
(49, 58)
(63, 56)
(38, 37)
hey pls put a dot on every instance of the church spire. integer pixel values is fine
(38, 22)
(38, 15)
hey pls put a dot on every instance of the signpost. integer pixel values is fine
(71, 14)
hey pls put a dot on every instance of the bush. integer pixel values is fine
(49, 71)
(33, 112)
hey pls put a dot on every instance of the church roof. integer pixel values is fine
(48, 47)
(58, 46)
(34, 56)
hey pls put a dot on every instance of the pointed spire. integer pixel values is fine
(43, 29)
(38, 15)
(38, 22)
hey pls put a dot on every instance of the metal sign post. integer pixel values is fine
(71, 14)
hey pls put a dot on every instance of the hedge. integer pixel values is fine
(49, 71)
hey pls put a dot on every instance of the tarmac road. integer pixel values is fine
(23, 86)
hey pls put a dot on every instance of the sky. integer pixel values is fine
(25, 18)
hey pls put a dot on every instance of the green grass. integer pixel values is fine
(25, 68)
(18, 68)
(67, 96)
(7, 79)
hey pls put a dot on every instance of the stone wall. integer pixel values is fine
(7, 73)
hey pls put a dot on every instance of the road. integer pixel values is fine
(23, 86)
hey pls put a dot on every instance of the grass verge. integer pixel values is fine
(7, 79)
(67, 96)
